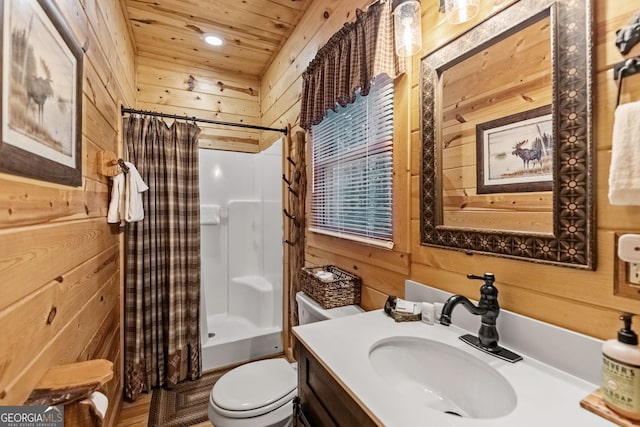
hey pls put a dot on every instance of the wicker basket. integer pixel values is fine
(344, 289)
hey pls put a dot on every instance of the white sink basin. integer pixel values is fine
(442, 377)
(409, 373)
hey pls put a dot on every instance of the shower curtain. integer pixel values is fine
(162, 281)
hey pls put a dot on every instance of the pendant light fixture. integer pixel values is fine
(407, 27)
(459, 11)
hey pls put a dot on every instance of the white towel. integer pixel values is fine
(116, 206)
(135, 186)
(126, 197)
(624, 172)
(209, 214)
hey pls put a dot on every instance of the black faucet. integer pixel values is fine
(489, 309)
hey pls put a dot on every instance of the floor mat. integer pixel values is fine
(184, 405)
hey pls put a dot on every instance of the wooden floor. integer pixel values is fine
(137, 413)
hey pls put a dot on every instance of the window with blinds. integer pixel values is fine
(352, 151)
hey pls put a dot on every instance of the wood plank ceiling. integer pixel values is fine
(253, 30)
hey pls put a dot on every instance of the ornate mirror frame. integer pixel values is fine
(572, 243)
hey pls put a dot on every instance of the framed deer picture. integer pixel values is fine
(41, 94)
(515, 153)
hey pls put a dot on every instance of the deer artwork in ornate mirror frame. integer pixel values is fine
(553, 223)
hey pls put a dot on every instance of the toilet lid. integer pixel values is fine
(254, 385)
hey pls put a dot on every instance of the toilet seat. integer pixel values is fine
(254, 389)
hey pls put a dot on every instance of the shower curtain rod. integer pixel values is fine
(196, 119)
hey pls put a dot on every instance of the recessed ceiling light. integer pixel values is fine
(213, 39)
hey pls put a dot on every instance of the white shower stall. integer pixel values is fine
(241, 255)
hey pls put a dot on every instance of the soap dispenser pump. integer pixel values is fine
(621, 371)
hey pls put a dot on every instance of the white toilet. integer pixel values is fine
(260, 394)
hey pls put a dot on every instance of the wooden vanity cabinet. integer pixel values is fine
(322, 401)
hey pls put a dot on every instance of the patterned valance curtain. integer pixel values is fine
(350, 60)
(162, 283)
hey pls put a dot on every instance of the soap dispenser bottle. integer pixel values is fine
(621, 371)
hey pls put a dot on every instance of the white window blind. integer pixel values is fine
(353, 168)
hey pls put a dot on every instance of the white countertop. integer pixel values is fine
(545, 395)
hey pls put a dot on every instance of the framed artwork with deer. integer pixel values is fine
(41, 94)
(515, 153)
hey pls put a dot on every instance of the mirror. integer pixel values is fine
(507, 156)
(492, 128)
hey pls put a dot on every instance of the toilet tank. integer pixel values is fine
(310, 311)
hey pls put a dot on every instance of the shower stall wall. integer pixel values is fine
(241, 250)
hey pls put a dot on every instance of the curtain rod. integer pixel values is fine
(196, 119)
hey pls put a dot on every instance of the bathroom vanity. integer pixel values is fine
(368, 369)
(322, 400)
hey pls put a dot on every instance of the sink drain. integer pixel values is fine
(453, 413)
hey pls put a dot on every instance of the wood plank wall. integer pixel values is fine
(59, 259)
(382, 270)
(583, 301)
(176, 88)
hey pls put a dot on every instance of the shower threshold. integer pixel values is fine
(236, 340)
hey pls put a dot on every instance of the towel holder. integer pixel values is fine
(108, 163)
(624, 69)
(122, 165)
